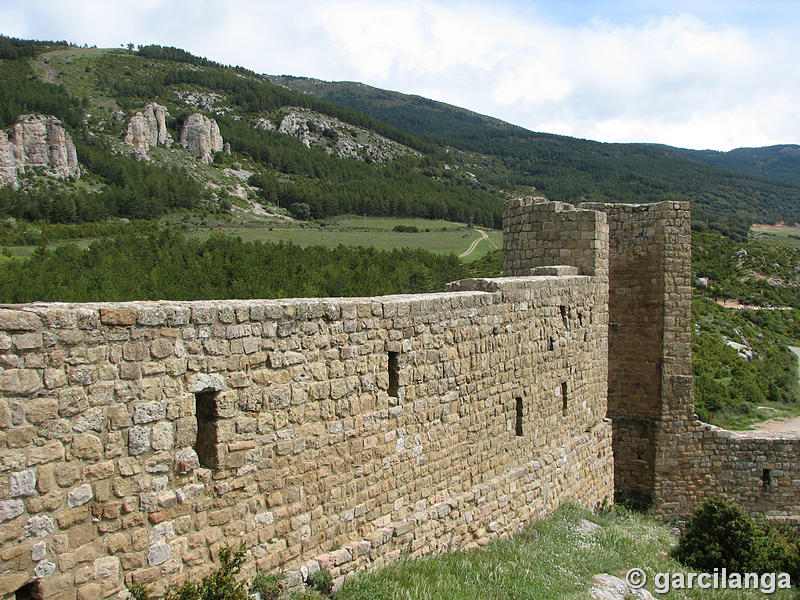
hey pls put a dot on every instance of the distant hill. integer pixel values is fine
(779, 163)
(320, 149)
(573, 169)
(282, 149)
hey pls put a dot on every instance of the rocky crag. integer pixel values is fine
(335, 137)
(201, 137)
(37, 142)
(148, 128)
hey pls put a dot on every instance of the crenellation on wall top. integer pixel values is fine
(540, 233)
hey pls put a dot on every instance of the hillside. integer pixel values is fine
(779, 163)
(319, 149)
(326, 149)
(571, 169)
(270, 149)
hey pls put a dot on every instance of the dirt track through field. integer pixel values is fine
(728, 303)
(474, 244)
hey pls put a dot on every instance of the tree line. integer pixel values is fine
(26, 96)
(167, 265)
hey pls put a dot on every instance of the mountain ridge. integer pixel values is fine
(460, 164)
(574, 169)
(733, 160)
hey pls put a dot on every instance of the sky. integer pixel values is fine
(705, 74)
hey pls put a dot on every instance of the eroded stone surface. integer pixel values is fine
(147, 129)
(37, 142)
(201, 137)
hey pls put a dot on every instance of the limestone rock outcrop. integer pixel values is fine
(148, 128)
(200, 136)
(337, 138)
(38, 142)
(296, 126)
(264, 124)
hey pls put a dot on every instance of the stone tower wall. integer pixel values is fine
(649, 332)
(538, 233)
(662, 454)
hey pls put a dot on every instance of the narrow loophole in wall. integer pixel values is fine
(564, 316)
(29, 591)
(519, 409)
(394, 373)
(564, 398)
(766, 478)
(207, 443)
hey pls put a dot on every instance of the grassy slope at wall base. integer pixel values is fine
(553, 559)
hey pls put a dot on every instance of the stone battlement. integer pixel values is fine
(137, 439)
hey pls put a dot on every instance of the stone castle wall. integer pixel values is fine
(758, 471)
(137, 439)
(663, 455)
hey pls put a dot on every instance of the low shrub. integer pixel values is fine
(720, 535)
(268, 586)
(217, 585)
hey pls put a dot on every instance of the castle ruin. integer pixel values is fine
(138, 439)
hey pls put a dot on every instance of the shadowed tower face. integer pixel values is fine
(649, 341)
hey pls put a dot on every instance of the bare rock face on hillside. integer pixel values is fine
(338, 138)
(148, 128)
(37, 142)
(208, 102)
(297, 126)
(8, 162)
(200, 136)
(264, 124)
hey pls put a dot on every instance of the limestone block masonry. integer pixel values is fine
(138, 439)
(663, 455)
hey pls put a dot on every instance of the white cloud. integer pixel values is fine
(673, 78)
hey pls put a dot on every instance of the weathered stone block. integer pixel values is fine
(10, 509)
(158, 554)
(19, 320)
(20, 382)
(106, 566)
(117, 316)
(87, 446)
(162, 436)
(80, 495)
(44, 569)
(22, 483)
(148, 412)
(39, 526)
(138, 440)
(39, 410)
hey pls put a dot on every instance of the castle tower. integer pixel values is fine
(650, 370)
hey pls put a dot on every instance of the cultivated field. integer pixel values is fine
(442, 237)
